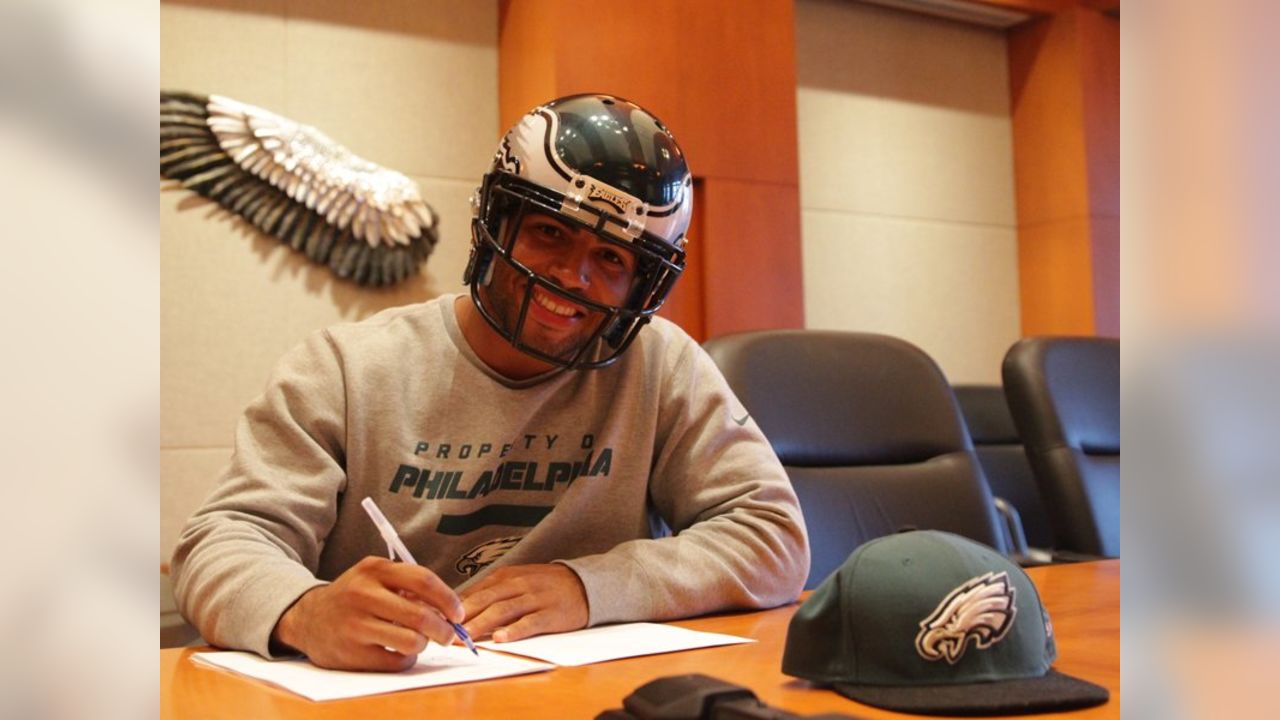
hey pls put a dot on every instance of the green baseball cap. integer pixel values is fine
(931, 622)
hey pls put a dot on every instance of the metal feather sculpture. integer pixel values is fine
(368, 224)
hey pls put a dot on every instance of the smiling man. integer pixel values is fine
(554, 454)
(577, 266)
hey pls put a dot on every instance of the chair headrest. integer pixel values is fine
(987, 414)
(827, 398)
(1072, 386)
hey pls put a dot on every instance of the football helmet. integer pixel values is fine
(594, 167)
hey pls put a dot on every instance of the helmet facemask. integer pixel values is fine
(607, 312)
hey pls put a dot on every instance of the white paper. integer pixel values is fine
(610, 642)
(437, 665)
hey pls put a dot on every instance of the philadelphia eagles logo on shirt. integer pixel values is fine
(484, 555)
(981, 610)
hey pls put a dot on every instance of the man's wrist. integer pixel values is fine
(284, 636)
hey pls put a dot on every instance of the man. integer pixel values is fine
(523, 457)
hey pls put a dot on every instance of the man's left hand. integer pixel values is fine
(521, 601)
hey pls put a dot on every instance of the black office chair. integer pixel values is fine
(1064, 394)
(869, 433)
(1004, 463)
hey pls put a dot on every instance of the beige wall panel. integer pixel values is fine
(451, 199)
(230, 47)
(233, 301)
(950, 289)
(906, 182)
(884, 157)
(189, 476)
(902, 115)
(410, 85)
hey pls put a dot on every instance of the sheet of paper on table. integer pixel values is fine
(436, 665)
(455, 664)
(611, 642)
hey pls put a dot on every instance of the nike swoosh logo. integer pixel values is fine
(743, 420)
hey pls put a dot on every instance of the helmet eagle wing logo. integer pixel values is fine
(506, 158)
(981, 610)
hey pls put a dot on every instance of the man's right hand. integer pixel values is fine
(378, 615)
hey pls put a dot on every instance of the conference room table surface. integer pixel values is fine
(1083, 600)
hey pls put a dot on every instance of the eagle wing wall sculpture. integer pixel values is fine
(368, 224)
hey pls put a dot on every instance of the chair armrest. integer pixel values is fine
(1011, 528)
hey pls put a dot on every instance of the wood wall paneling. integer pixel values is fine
(1047, 107)
(686, 305)
(1104, 238)
(723, 80)
(738, 90)
(526, 71)
(1064, 92)
(1100, 72)
(1100, 85)
(1055, 277)
(754, 267)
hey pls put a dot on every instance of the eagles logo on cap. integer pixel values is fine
(981, 610)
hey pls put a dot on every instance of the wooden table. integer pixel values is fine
(1083, 599)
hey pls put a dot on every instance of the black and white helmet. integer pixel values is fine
(596, 162)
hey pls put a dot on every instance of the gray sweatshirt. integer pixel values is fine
(477, 471)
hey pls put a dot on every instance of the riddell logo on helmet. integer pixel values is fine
(617, 201)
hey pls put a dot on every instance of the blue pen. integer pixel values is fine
(395, 546)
